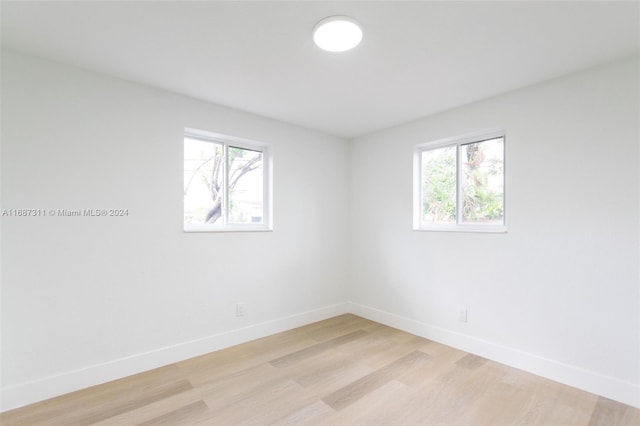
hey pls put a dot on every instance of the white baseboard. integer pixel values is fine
(590, 381)
(27, 393)
(49, 387)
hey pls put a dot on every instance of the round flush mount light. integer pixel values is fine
(337, 34)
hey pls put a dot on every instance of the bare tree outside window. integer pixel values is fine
(245, 186)
(222, 183)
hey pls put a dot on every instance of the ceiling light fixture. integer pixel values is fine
(337, 34)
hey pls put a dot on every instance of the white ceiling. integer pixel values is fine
(416, 58)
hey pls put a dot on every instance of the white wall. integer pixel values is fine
(85, 300)
(559, 293)
(88, 299)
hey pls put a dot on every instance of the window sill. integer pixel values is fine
(236, 228)
(493, 229)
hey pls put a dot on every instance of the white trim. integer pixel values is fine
(491, 229)
(27, 393)
(463, 139)
(417, 187)
(459, 188)
(222, 138)
(267, 197)
(587, 380)
(188, 228)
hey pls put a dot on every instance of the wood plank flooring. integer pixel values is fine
(342, 371)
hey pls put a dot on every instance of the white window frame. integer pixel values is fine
(458, 141)
(267, 170)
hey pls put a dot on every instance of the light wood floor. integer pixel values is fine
(342, 371)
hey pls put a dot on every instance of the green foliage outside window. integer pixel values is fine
(481, 183)
(439, 185)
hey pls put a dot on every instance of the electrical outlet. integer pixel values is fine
(241, 309)
(462, 314)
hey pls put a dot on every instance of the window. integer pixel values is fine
(459, 184)
(227, 183)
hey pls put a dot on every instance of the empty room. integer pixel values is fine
(320, 213)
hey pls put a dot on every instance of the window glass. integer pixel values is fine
(459, 184)
(482, 182)
(226, 184)
(246, 186)
(439, 185)
(203, 180)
